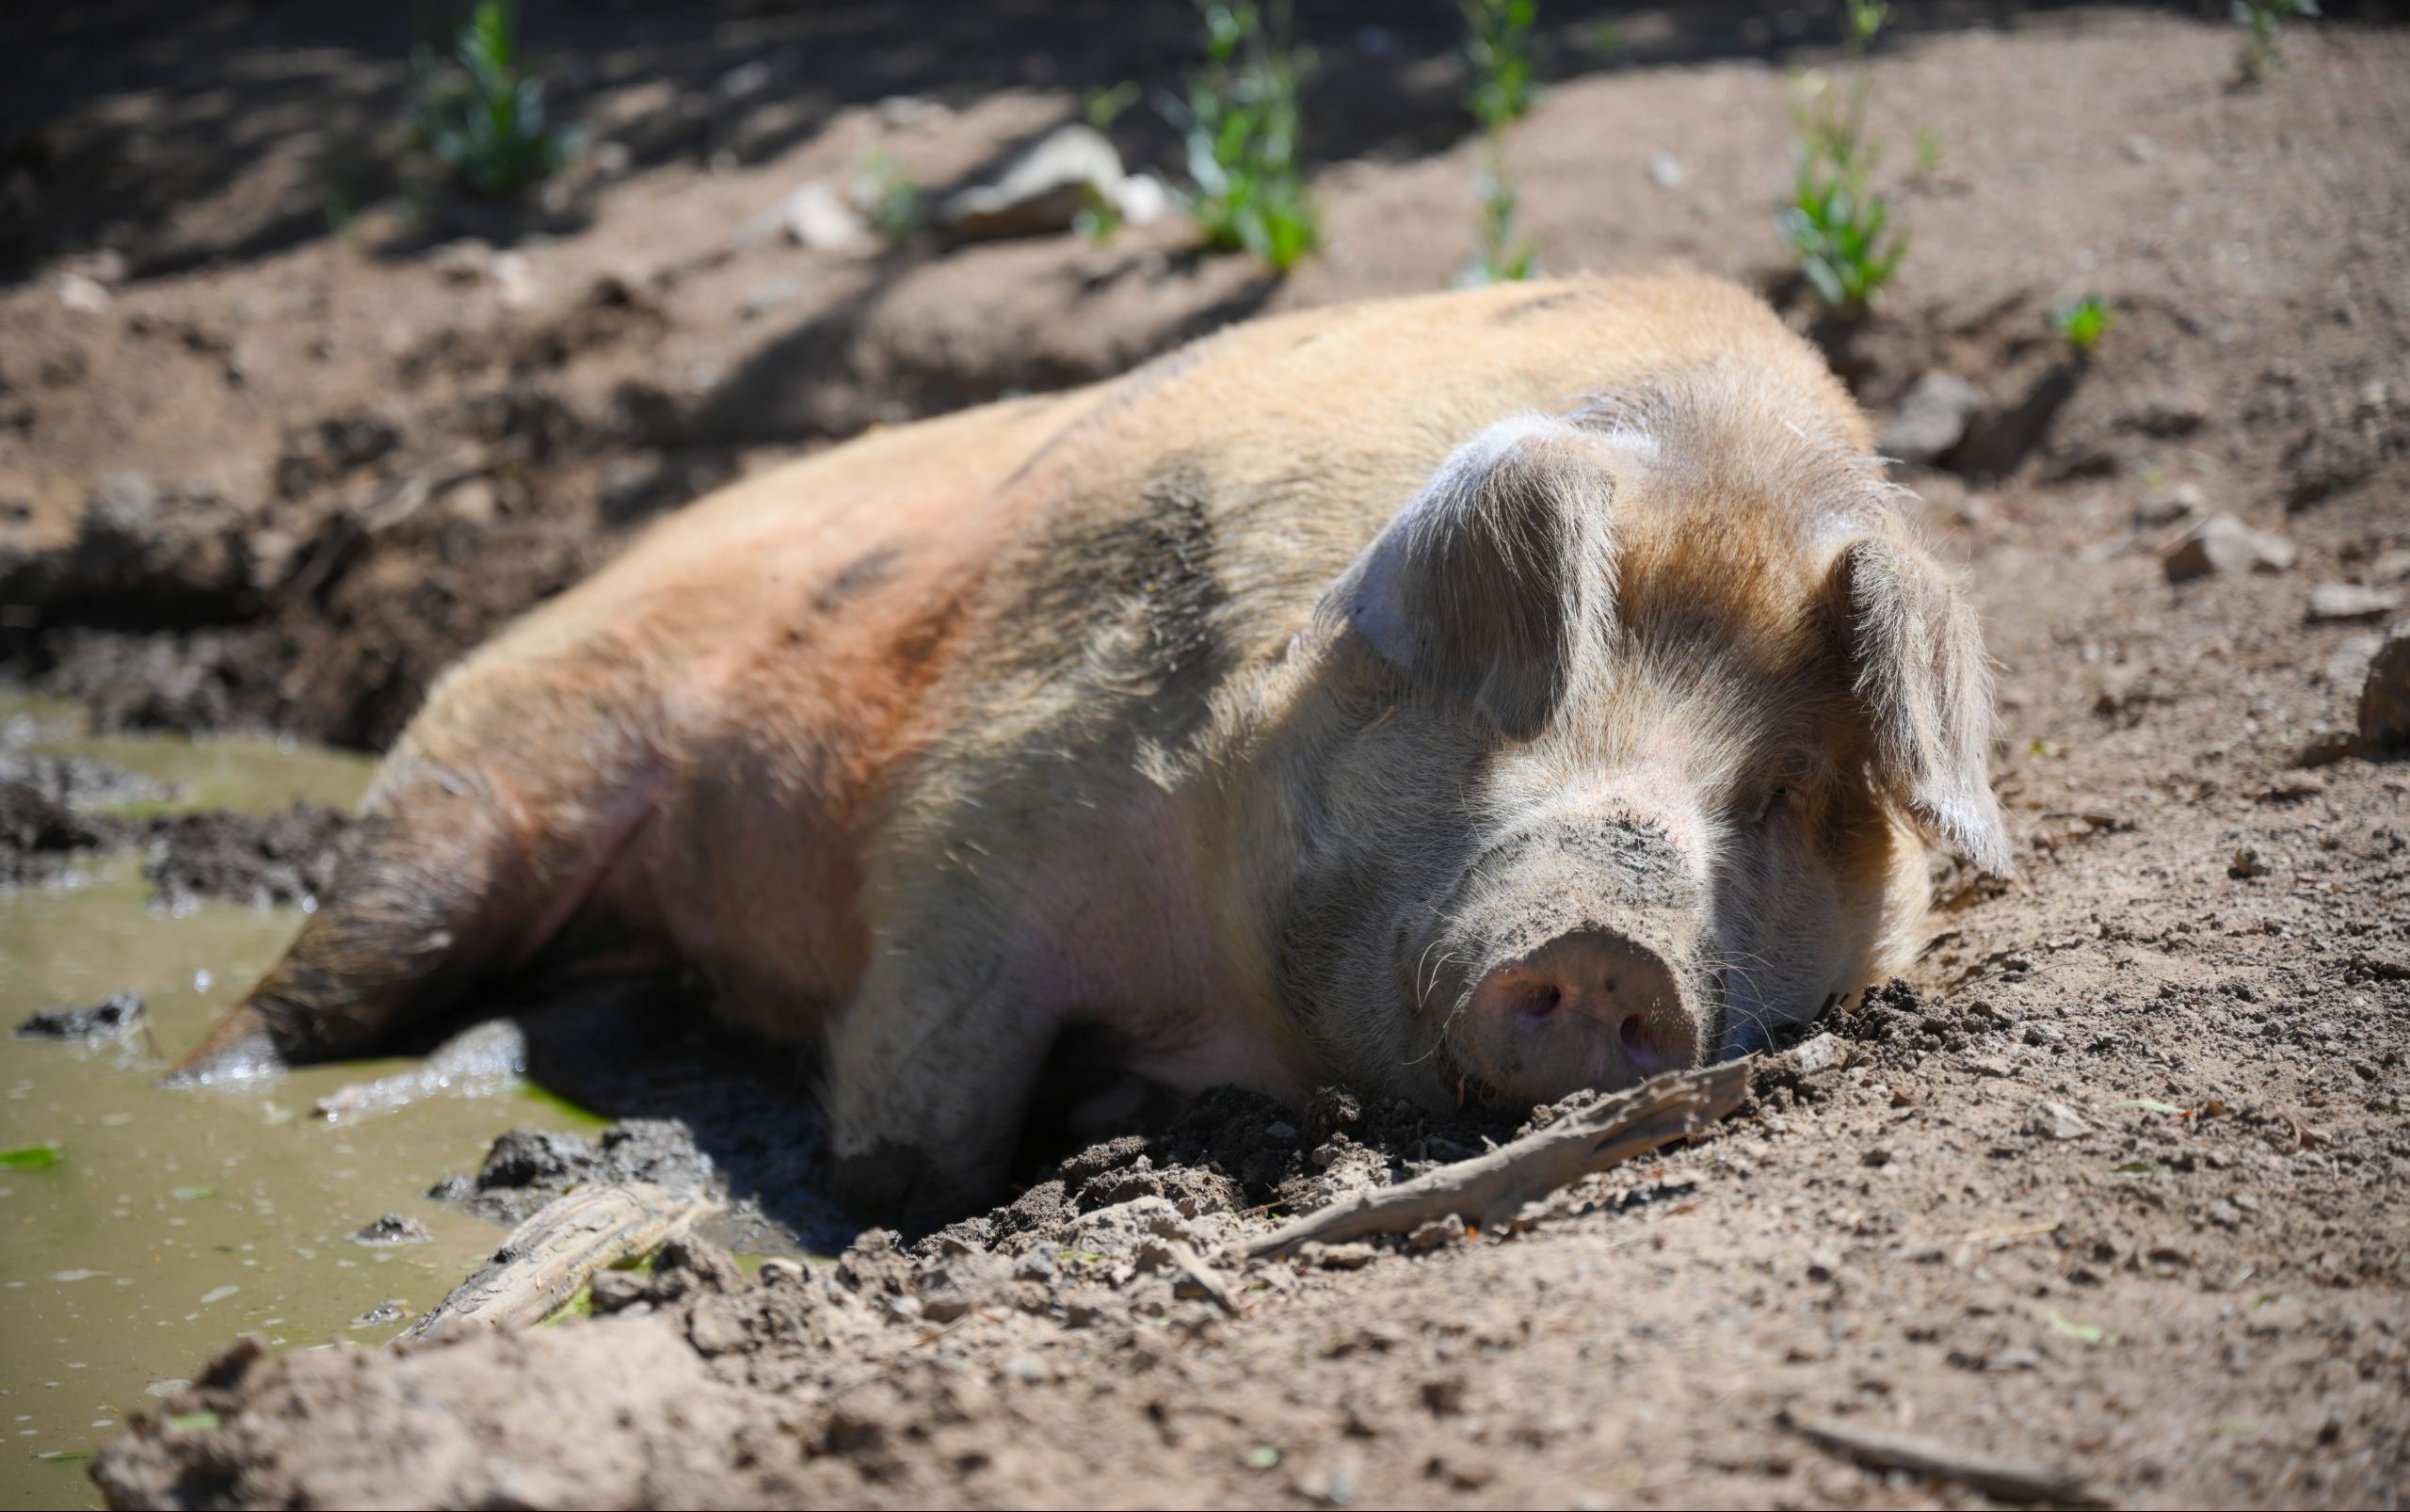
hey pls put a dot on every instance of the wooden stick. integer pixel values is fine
(1492, 1188)
(546, 1260)
(2006, 1480)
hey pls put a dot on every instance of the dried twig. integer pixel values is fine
(1492, 1188)
(545, 1259)
(2007, 1480)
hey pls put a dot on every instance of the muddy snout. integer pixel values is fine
(1586, 974)
(1590, 1008)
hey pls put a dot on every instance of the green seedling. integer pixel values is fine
(480, 115)
(1241, 119)
(1928, 145)
(1497, 53)
(2083, 322)
(2262, 55)
(1836, 224)
(890, 198)
(2090, 1333)
(1105, 106)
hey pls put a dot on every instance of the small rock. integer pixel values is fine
(1142, 198)
(1932, 419)
(2384, 700)
(2225, 544)
(2390, 567)
(900, 112)
(616, 1291)
(82, 293)
(117, 1014)
(1338, 1257)
(2173, 506)
(962, 1282)
(818, 220)
(2140, 149)
(1035, 1264)
(1039, 192)
(2246, 864)
(2056, 1120)
(1822, 1054)
(768, 294)
(1437, 1233)
(393, 1228)
(1666, 170)
(467, 261)
(2348, 662)
(390, 1311)
(2340, 602)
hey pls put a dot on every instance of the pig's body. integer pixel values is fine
(1103, 710)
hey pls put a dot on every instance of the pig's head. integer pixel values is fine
(1626, 727)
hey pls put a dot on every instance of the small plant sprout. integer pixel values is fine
(480, 115)
(888, 196)
(2083, 322)
(1836, 224)
(1240, 119)
(1105, 106)
(2262, 55)
(1928, 145)
(1498, 53)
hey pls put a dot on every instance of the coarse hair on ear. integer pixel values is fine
(1486, 586)
(1925, 687)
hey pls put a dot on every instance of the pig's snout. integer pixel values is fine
(1592, 1009)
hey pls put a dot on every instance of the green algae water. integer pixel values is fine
(141, 1229)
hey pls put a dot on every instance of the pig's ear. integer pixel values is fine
(1480, 588)
(1926, 688)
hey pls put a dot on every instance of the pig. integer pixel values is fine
(1471, 699)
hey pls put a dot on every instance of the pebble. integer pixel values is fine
(2225, 545)
(1437, 1233)
(83, 295)
(2384, 700)
(1932, 418)
(1666, 170)
(2172, 505)
(2340, 602)
(1822, 1054)
(2056, 1120)
(817, 220)
(1042, 190)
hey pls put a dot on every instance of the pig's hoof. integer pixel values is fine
(903, 1184)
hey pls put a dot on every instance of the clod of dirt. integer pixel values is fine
(1932, 419)
(393, 1228)
(2384, 700)
(118, 1014)
(528, 1168)
(37, 832)
(2341, 603)
(263, 859)
(2225, 545)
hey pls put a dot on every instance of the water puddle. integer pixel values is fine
(169, 1222)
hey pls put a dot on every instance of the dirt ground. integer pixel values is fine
(2117, 1185)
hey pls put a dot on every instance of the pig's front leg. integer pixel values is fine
(928, 1077)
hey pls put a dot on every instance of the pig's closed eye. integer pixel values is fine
(1771, 804)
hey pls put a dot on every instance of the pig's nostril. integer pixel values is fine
(1609, 985)
(1539, 999)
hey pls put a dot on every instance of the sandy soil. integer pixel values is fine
(2115, 1185)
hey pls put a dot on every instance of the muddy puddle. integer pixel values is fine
(163, 1223)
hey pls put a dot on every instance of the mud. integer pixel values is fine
(2113, 1184)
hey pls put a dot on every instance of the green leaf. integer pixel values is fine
(1262, 1457)
(201, 1421)
(31, 1157)
(63, 1456)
